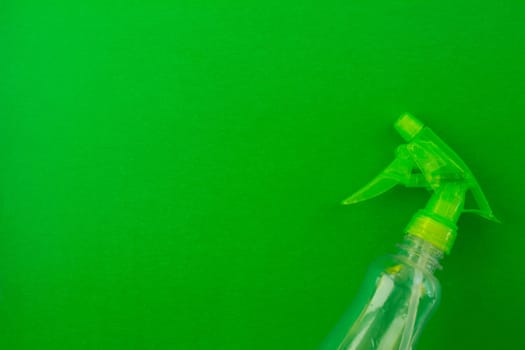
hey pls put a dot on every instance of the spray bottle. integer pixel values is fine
(400, 291)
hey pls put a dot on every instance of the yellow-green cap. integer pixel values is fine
(441, 234)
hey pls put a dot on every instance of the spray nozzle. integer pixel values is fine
(426, 161)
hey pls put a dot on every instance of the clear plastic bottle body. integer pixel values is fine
(399, 295)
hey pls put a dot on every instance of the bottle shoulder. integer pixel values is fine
(403, 272)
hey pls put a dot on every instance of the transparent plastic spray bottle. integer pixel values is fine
(400, 291)
(404, 294)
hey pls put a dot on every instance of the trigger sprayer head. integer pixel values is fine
(441, 170)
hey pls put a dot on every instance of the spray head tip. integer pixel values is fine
(408, 126)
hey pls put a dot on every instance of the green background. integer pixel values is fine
(171, 171)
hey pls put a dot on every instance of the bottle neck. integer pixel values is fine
(420, 253)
